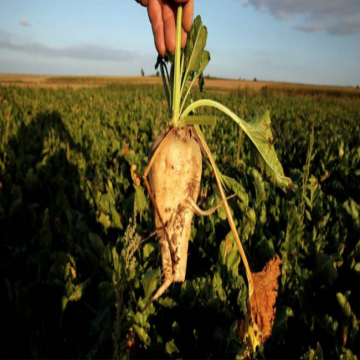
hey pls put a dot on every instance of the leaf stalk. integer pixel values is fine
(177, 77)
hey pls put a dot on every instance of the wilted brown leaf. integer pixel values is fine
(260, 317)
(264, 297)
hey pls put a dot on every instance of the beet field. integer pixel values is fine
(80, 249)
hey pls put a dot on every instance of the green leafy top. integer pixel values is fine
(193, 60)
(196, 58)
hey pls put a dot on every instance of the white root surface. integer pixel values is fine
(174, 179)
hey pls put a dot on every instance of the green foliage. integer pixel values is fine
(171, 348)
(149, 282)
(196, 58)
(265, 158)
(76, 269)
(316, 354)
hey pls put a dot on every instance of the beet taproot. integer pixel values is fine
(174, 178)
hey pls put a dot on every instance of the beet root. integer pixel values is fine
(174, 178)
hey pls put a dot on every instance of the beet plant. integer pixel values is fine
(175, 168)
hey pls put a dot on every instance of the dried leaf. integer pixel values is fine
(260, 317)
(265, 292)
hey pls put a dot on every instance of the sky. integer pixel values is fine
(302, 41)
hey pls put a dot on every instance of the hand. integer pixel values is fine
(162, 15)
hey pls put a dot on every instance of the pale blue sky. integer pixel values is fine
(305, 41)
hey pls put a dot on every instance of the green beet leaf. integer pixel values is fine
(171, 348)
(265, 158)
(149, 281)
(195, 61)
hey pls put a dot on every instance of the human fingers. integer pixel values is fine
(188, 13)
(168, 16)
(157, 24)
(183, 38)
(143, 2)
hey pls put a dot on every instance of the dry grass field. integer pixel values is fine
(212, 84)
